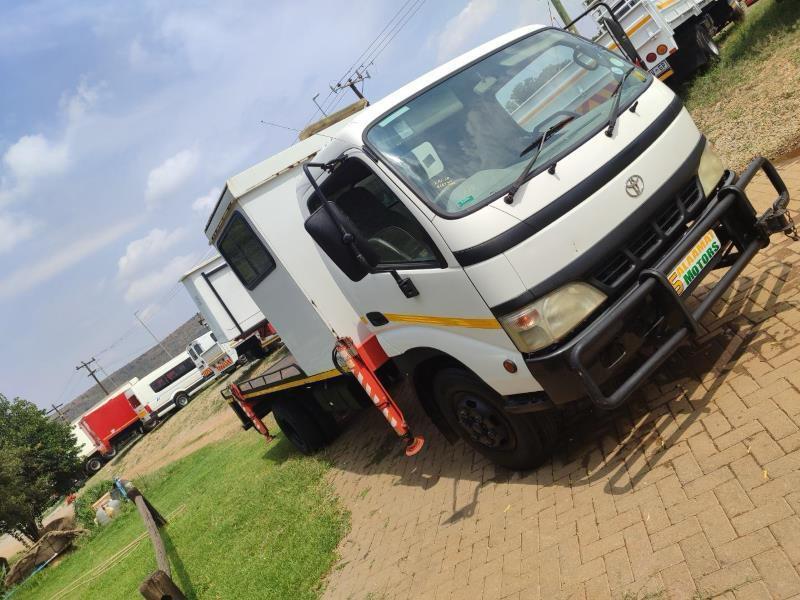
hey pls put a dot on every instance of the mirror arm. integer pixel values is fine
(347, 237)
(405, 284)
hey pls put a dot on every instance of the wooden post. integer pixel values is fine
(160, 587)
(152, 529)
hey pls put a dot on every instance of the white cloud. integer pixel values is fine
(463, 27)
(145, 252)
(77, 103)
(32, 275)
(204, 204)
(14, 229)
(153, 282)
(169, 175)
(35, 156)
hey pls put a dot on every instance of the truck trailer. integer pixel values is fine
(109, 425)
(228, 309)
(512, 265)
(671, 38)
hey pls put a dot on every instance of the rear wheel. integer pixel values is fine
(706, 44)
(299, 425)
(474, 411)
(93, 465)
(181, 400)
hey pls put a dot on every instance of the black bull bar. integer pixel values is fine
(733, 216)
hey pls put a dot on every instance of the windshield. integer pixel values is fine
(462, 142)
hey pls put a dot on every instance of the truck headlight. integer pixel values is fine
(550, 318)
(711, 169)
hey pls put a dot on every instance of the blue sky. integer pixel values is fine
(119, 123)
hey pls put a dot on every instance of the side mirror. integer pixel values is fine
(328, 236)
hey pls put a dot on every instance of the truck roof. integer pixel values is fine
(268, 169)
(200, 266)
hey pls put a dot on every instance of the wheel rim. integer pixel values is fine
(94, 465)
(483, 423)
(183, 401)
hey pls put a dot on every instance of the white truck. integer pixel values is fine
(669, 37)
(229, 310)
(212, 358)
(511, 264)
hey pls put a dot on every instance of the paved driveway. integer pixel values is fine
(690, 491)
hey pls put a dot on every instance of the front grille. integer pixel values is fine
(641, 249)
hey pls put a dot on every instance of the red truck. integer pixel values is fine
(110, 424)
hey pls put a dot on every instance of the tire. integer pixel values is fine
(706, 44)
(325, 421)
(150, 424)
(298, 425)
(475, 412)
(181, 400)
(112, 454)
(93, 465)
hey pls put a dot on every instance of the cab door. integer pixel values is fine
(446, 313)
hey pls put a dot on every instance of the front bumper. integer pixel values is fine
(630, 339)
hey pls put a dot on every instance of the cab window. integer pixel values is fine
(245, 253)
(380, 216)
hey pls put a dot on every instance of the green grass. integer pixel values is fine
(259, 522)
(746, 47)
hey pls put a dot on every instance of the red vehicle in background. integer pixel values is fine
(112, 423)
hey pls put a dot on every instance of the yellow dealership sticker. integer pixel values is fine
(690, 266)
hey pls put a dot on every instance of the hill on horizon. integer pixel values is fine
(143, 364)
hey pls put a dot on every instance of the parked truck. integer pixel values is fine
(109, 425)
(229, 310)
(510, 265)
(669, 37)
(211, 357)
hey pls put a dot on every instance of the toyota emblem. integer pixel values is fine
(634, 186)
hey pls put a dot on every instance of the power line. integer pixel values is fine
(85, 365)
(393, 27)
(138, 318)
(358, 60)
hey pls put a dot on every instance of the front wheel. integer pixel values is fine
(474, 411)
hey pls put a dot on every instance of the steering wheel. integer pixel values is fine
(444, 194)
(539, 129)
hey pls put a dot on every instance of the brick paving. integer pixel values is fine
(692, 490)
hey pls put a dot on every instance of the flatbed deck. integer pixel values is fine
(284, 374)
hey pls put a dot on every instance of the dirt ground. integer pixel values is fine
(690, 491)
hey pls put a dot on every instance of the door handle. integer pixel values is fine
(378, 319)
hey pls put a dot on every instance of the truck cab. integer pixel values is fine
(522, 230)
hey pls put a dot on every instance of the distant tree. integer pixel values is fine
(38, 462)
(530, 85)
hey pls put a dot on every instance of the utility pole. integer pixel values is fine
(107, 376)
(138, 318)
(562, 12)
(85, 365)
(58, 412)
(351, 82)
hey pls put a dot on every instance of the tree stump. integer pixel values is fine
(160, 587)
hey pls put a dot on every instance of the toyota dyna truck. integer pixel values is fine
(669, 37)
(509, 264)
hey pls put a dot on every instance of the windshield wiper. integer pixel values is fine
(615, 97)
(537, 143)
